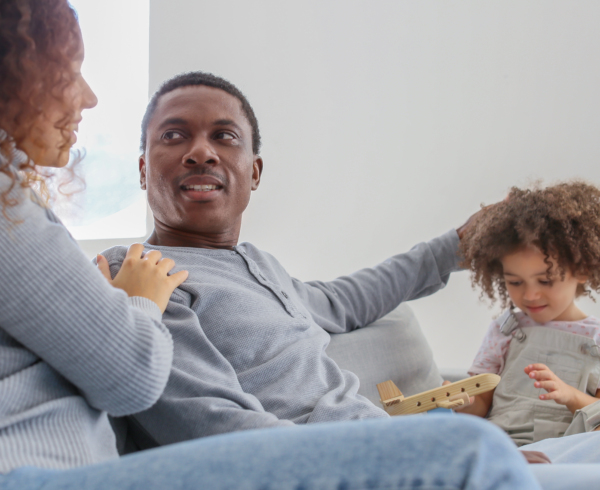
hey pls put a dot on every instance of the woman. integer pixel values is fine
(56, 308)
(74, 346)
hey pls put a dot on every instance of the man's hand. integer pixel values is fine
(472, 220)
(144, 275)
(536, 457)
(557, 389)
(461, 230)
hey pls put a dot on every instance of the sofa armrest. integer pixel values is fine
(393, 347)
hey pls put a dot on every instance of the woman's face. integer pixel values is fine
(53, 134)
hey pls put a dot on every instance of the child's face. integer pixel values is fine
(529, 288)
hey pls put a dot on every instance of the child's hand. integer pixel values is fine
(536, 457)
(557, 389)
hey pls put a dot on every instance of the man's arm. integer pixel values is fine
(361, 298)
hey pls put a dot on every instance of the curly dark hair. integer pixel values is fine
(209, 80)
(38, 42)
(562, 221)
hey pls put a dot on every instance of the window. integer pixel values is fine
(115, 35)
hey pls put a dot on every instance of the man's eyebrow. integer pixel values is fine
(226, 122)
(172, 121)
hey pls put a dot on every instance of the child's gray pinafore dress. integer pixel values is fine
(516, 406)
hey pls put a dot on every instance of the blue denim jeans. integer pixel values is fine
(411, 452)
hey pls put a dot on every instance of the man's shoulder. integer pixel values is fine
(258, 255)
(116, 254)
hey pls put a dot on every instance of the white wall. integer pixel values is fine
(388, 122)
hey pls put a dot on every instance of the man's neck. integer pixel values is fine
(170, 237)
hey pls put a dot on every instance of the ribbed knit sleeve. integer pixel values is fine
(358, 299)
(55, 303)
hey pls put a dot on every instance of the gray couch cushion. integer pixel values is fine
(393, 347)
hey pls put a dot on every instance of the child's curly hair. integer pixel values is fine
(563, 221)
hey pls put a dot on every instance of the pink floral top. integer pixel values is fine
(492, 353)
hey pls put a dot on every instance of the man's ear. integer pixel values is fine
(257, 168)
(142, 162)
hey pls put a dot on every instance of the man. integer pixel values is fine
(249, 339)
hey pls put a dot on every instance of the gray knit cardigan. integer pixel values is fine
(72, 347)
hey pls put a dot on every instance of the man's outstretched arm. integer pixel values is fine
(361, 298)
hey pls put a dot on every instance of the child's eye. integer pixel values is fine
(545, 282)
(514, 283)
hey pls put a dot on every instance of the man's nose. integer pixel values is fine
(201, 151)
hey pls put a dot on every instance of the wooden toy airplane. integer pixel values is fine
(452, 395)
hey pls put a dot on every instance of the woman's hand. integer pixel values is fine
(144, 275)
(557, 389)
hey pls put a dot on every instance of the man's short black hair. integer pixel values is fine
(200, 78)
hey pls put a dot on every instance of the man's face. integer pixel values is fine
(199, 167)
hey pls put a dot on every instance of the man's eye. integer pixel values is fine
(172, 135)
(225, 136)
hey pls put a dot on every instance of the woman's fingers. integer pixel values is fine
(102, 265)
(135, 251)
(147, 275)
(165, 265)
(178, 278)
(153, 256)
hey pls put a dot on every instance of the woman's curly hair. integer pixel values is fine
(38, 42)
(562, 221)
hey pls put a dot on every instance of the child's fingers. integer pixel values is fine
(535, 367)
(546, 385)
(551, 395)
(542, 375)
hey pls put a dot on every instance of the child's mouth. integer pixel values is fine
(535, 309)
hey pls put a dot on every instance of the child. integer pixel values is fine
(537, 251)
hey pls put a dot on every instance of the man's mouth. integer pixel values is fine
(200, 188)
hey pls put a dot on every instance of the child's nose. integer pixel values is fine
(531, 293)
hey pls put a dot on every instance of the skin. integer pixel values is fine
(141, 275)
(199, 136)
(544, 299)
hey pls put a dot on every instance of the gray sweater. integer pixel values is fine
(72, 347)
(250, 340)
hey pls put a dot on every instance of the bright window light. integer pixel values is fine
(115, 34)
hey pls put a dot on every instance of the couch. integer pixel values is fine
(395, 348)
